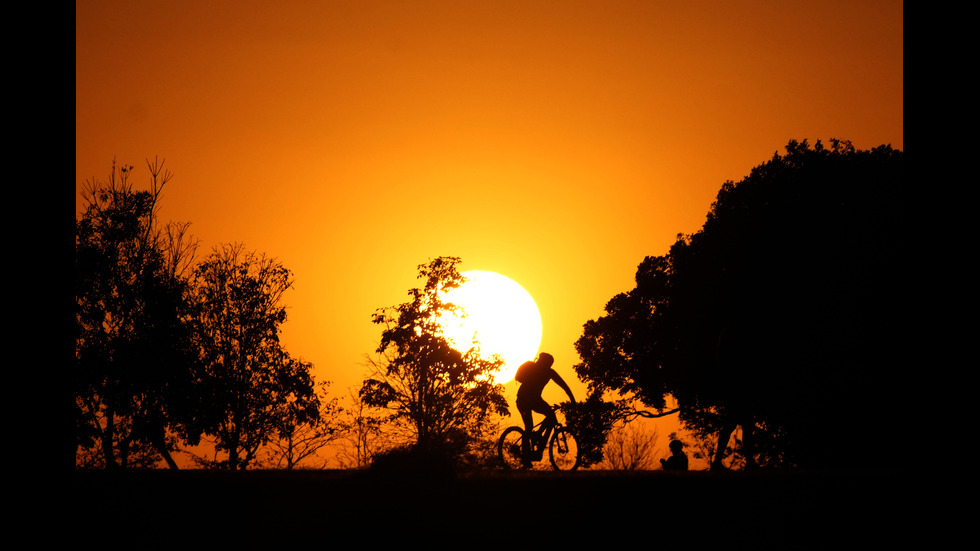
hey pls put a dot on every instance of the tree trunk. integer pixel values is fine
(107, 437)
(160, 443)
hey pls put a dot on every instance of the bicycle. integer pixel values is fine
(561, 445)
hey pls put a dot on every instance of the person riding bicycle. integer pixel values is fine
(533, 377)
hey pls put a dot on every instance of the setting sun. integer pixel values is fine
(500, 315)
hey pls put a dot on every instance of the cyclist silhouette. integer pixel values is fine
(533, 377)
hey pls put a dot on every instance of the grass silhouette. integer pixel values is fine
(157, 509)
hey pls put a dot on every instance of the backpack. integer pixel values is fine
(524, 372)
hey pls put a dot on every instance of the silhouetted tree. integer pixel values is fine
(301, 439)
(629, 447)
(447, 397)
(779, 315)
(254, 390)
(592, 421)
(364, 434)
(134, 356)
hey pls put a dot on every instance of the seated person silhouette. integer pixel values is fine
(677, 460)
(533, 377)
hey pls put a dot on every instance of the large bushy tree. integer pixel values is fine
(255, 391)
(447, 397)
(783, 314)
(134, 356)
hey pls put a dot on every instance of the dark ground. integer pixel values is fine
(351, 509)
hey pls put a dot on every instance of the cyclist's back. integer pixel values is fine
(534, 376)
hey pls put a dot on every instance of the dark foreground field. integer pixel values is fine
(696, 510)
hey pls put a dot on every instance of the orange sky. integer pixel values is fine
(556, 143)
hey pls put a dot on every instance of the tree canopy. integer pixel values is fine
(780, 312)
(167, 351)
(256, 390)
(447, 397)
(134, 352)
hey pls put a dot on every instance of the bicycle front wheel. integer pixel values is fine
(509, 448)
(563, 450)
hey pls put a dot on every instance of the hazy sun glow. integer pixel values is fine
(500, 315)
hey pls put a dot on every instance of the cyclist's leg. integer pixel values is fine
(528, 418)
(550, 419)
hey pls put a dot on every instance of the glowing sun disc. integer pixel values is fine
(500, 314)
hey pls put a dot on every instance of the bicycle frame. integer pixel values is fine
(538, 430)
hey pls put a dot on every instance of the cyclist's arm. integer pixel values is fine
(561, 382)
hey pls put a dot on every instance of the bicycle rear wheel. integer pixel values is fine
(509, 448)
(563, 450)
